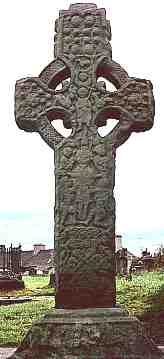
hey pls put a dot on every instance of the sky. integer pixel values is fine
(27, 167)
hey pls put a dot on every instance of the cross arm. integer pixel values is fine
(132, 104)
(36, 106)
(135, 103)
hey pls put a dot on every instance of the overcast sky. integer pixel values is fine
(27, 179)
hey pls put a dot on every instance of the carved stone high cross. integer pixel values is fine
(84, 162)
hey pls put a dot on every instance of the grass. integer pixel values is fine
(17, 319)
(143, 297)
(138, 295)
(35, 282)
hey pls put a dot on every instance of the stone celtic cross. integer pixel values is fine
(84, 162)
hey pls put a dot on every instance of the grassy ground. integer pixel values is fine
(142, 297)
(17, 319)
(141, 294)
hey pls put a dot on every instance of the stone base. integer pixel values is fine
(14, 300)
(87, 334)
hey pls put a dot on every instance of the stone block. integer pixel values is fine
(101, 333)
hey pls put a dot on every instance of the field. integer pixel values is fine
(17, 319)
(143, 294)
(143, 297)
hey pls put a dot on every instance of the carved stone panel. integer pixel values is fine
(84, 222)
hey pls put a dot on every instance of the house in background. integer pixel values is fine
(124, 258)
(118, 242)
(40, 260)
(37, 261)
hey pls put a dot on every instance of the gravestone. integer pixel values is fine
(89, 325)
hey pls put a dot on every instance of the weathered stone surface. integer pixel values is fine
(84, 162)
(84, 184)
(87, 334)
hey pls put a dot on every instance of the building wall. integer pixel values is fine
(38, 248)
(118, 242)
